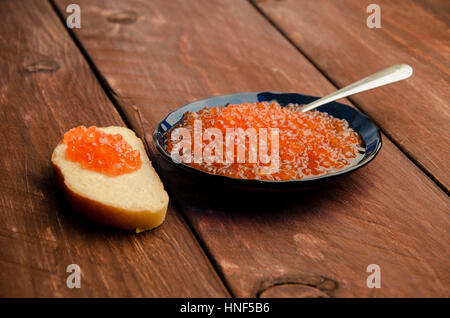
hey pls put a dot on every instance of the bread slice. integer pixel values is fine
(135, 200)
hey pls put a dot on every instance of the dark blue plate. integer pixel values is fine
(362, 124)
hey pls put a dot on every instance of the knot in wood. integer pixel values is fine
(123, 17)
(42, 66)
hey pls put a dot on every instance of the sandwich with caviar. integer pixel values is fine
(107, 177)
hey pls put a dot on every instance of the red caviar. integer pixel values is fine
(98, 151)
(310, 144)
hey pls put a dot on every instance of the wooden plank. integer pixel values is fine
(334, 35)
(299, 244)
(46, 88)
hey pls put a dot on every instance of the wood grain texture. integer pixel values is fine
(315, 243)
(334, 35)
(46, 88)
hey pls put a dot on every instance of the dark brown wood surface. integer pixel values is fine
(335, 37)
(156, 56)
(46, 88)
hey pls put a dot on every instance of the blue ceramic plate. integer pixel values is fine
(362, 124)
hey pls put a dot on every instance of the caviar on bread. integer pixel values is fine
(107, 177)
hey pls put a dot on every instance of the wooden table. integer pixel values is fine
(133, 61)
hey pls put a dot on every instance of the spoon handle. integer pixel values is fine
(389, 75)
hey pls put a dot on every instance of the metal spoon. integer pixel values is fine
(389, 75)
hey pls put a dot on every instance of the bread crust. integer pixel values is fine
(109, 215)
